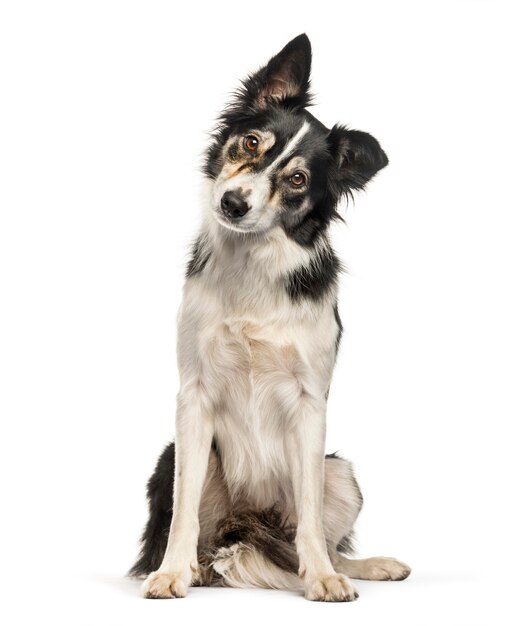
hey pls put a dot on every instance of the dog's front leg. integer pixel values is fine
(194, 433)
(306, 446)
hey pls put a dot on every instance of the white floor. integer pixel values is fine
(426, 599)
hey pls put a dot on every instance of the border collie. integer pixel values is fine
(256, 501)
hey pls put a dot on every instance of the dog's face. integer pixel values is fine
(271, 171)
(273, 164)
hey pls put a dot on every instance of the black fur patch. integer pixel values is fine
(358, 157)
(346, 545)
(199, 257)
(156, 533)
(314, 280)
(308, 230)
(340, 327)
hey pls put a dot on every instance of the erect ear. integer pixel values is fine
(357, 156)
(285, 79)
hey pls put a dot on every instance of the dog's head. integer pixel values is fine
(274, 164)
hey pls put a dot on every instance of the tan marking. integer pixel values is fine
(274, 199)
(238, 165)
(296, 164)
(240, 169)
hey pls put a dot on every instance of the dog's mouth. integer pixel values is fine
(239, 225)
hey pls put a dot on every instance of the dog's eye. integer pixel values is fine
(298, 179)
(250, 143)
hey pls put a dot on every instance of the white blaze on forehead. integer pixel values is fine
(258, 184)
(290, 147)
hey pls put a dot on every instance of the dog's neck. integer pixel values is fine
(249, 273)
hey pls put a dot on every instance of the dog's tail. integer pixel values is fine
(248, 549)
(252, 549)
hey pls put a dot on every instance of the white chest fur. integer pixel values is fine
(253, 354)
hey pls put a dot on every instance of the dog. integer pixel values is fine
(245, 496)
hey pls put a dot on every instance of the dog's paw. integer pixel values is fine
(165, 585)
(385, 568)
(330, 588)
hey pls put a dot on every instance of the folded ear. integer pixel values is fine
(285, 79)
(357, 156)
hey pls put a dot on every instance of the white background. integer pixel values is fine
(104, 114)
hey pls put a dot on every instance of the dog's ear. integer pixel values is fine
(285, 79)
(357, 157)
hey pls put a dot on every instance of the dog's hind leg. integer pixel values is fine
(254, 549)
(342, 504)
(374, 568)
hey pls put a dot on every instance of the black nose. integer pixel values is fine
(234, 205)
